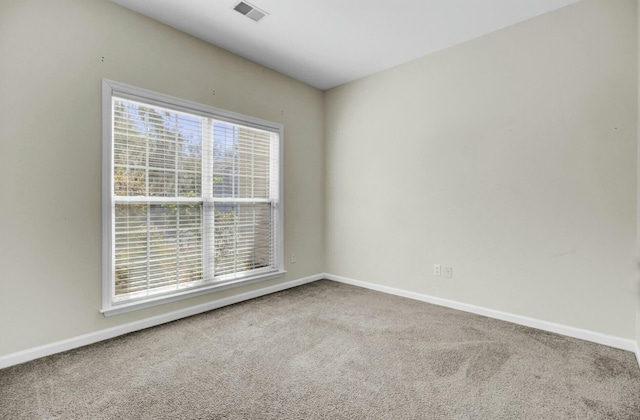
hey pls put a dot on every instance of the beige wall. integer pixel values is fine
(511, 158)
(638, 213)
(50, 149)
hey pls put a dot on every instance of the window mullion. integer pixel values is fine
(208, 206)
(146, 162)
(147, 192)
(236, 171)
(253, 194)
(177, 190)
(274, 194)
(148, 245)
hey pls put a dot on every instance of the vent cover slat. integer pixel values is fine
(255, 15)
(250, 11)
(243, 8)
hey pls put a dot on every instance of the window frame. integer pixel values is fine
(110, 88)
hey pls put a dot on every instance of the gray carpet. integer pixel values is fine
(329, 351)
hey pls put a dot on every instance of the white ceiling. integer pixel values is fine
(326, 43)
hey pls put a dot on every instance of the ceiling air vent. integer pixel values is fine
(250, 11)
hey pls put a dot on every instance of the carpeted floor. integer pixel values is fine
(329, 351)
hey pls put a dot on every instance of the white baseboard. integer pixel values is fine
(595, 337)
(83, 340)
(94, 337)
(638, 354)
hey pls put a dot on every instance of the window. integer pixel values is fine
(192, 199)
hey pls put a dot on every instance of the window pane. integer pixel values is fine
(129, 182)
(241, 162)
(189, 184)
(157, 153)
(242, 237)
(158, 247)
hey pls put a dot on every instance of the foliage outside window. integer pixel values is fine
(193, 198)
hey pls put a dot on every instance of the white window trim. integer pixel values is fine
(110, 88)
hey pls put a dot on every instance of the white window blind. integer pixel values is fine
(194, 198)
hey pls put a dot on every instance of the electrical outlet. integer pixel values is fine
(293, 259)
(448, 272)
(436, 269)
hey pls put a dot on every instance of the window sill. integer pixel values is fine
(120, 308)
